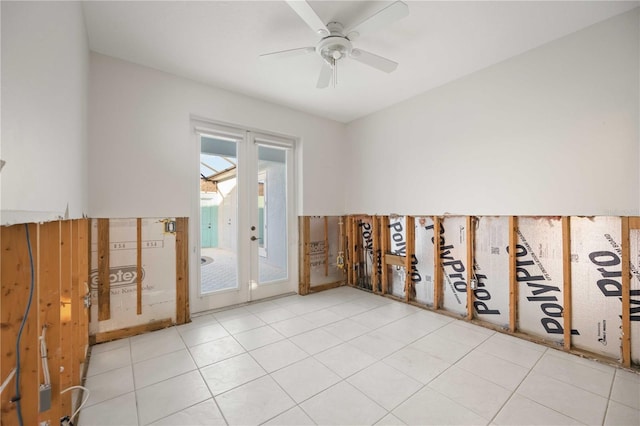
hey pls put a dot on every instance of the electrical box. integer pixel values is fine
(45, 398)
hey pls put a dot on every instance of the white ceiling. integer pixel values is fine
(218, 43)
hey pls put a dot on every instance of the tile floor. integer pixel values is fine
(347, 357)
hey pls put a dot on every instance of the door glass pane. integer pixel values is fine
(272, 214)
(218, 215)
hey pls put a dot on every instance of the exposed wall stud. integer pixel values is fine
(182, 270)
(66, 325)
(513, 283)
(326, 247)
(305, 283)
(384, 247)
(471, 232)
(81, 287)
(410, 232)
(375, 276)
(139, 266)
(437, 266)
(48, 305)
(626, 294)
(566, 262)
(104, 285)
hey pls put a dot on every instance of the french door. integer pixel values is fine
(244, 233)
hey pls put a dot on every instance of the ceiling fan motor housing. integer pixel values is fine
(334, 46)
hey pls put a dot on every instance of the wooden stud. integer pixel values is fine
(15, 274)
(513, 283)
(353, 248)
(341, 238)
(84, 266)
(300, 253)
(384, 247)
(104, 285)
(360, 253)
(410, 232)
(182, 270)
(470, 264)
(76, 306)
(347, 252)
(326, 246)
(566, 282)
(49, 311)
(357, 253)
(634, 222)
(139, 266)
(66, 326)
(87, 224)
(437, 266)
(626, 294)
(375, 276)
(351, 241)
(108, 336)
(349, 260)
(305, 283)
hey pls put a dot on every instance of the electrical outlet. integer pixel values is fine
(170, 226)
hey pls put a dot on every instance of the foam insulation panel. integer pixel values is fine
(634, 316)
(423, 272)
(365, 269)
(491, 270)
(539, 276)
(453, 260)
(596, 282)
(317, 247)
(398, 246)
(158, 274)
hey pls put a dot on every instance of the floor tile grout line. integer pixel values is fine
(213, 397)
(110, 399)
(577, 386)
(619, 402)
(613, 382)
(133, 379)
(345, 379)
(515, 391)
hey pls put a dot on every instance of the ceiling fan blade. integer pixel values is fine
(288, 53)
(373, 60)
(308, 15)
(325, 76)
(381, 19)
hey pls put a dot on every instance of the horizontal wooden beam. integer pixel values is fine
(394, 259)
(322, 287)
(108, 336)
(634, 222)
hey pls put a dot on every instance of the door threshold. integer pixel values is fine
(240, 305)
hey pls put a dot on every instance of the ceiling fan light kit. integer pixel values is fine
(336, 46)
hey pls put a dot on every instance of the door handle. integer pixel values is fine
(253, 238)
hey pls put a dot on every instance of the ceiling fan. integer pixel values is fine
(335, 44)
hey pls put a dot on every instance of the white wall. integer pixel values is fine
(553, 131)
(45, 65)
(140, 139)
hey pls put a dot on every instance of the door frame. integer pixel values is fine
(246, 135)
